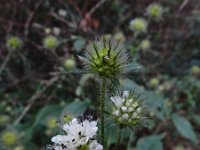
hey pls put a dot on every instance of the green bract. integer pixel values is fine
(14, 43)
(106, 58)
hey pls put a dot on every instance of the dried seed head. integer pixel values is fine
(106, 58)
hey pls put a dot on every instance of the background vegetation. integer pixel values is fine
(41, 80)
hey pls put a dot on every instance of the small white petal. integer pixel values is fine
(116, 113)
(134, 115)
(139, 110)
(124, 109)
(125, 94)
(125, 117)
(130, 109)
(117, 101)
(95, 146)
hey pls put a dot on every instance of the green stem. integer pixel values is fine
(5, 62)
(102, 101)
(118, 139)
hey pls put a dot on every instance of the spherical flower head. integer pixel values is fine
(50, 42)
(106, 58)
(4, 119)
(155, 11)
(119, 36)
(70, 63)
(14, 43)
(138, 25)
(145, 44)
(195, 70)
(154, 82)
(128, 110)
(9, 138)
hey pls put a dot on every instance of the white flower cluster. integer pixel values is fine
(128, 109)
(79, 134)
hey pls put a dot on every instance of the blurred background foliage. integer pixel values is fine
(41, 79)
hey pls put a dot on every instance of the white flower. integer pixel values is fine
(59, 139)
(78, 133)
(95, 146)
(89, 128)
(125, 94)
(117, 101)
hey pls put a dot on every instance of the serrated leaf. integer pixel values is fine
(184, 127)
(152, 142)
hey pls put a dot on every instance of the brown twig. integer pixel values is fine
(30, 17)
(34, 97)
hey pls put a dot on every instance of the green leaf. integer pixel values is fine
(79, 44)
(184, 127)
(152, 142)
(47, 111)
(76, 108)
(111, 136)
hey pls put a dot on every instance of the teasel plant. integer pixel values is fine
(108, 60)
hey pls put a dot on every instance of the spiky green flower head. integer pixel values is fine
(138, 25)
(128, 110)
(50, 42)
(145, 44)
(9, 138)
(14, 43)
(106, 58)
(155, 11)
